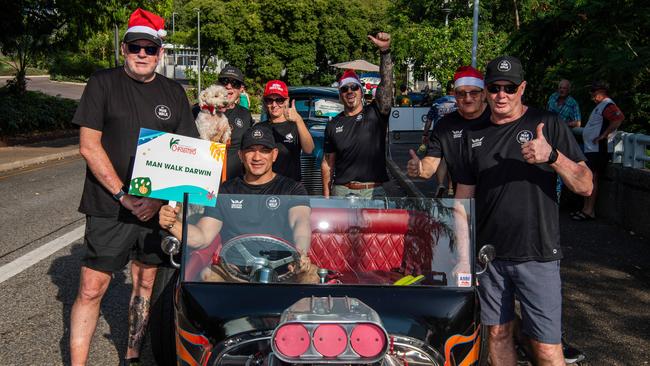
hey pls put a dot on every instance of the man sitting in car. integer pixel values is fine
(287, 218)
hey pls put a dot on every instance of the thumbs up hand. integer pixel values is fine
(537, 151)
(414, 166)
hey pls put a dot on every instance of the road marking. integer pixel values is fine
(20, 264)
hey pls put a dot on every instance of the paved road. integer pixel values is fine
(40, 206)
(43, 84)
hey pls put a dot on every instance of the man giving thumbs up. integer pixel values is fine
(511, 170)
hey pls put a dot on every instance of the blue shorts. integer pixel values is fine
(538, 287)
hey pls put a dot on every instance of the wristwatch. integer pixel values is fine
(119, 195)
(552, 157)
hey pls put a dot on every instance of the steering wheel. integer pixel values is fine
(243, 255)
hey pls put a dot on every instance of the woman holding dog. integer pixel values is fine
(289, 130)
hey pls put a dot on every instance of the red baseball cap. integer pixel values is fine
(276, 87)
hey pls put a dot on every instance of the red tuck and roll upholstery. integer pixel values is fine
(358, 240)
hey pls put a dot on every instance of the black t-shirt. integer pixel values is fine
(289, 148)
(119, 106)
(359, 143)
(240, 120)
(447, 138)
(516, 202)
(242, 206)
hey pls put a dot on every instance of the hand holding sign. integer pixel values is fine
(536, 151)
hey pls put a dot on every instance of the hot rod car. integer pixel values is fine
(394, 285)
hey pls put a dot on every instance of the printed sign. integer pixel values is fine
(327, 108)
(168, 165)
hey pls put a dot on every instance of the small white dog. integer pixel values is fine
(211, 121)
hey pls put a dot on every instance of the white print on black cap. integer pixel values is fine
(163, 112)
(504, 65)
(273, 202)
(239, 123)
(524, 136)
(257, 134)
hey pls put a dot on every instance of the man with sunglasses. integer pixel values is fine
(115, 104)
(355, 140)
(446, 139)
(513, 161)
(240, 118)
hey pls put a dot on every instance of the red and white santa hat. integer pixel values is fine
(468, 76)
(145, 25)
(349, 77)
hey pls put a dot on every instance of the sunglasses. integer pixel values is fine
(279, 101)
(235, 83)
(509, 89)
(149, 50)
(346, 88)
(463, 94)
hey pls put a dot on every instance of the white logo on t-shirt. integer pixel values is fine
(273, 202)
(457, 134)
(163, 112)
(288, 137)
(524, 136)
(239, 204)
(477, 142)
(339, 129)
(239, 123)
(359, 117)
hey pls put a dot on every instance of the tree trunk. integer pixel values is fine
(514, 2)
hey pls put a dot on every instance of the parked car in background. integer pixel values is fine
(317, 105)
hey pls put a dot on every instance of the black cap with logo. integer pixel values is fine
(506, 68)
(232, 72)
(258, 135)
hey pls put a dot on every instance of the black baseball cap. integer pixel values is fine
(233, 73)
(506, 68)
(258, 135)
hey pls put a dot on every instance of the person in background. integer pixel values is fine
(564, 104)
(445, 144)
(597, 138)
(289, 130)
(115, 104)
(568, 110)
(239, 118)
(403, 99)
(244, 99)
(440, 108)
(355, 140)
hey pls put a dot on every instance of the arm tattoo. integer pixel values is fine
(384, 94)
(138, 318)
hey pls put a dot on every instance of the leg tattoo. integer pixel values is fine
(138, 318)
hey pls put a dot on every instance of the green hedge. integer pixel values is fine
(74, 66)
(34, 111)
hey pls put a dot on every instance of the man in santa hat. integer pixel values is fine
(115, 104)
(447, 135)
(355, 140)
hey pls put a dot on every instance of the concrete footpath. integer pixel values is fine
(22, 156)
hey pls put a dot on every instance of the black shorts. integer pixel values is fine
(597, 161)
(110, 244)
